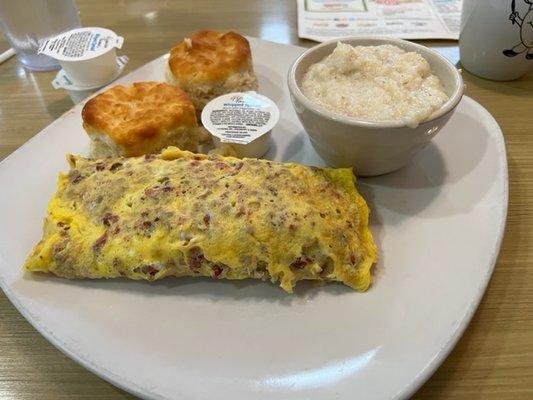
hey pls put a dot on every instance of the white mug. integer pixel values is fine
(496, 40)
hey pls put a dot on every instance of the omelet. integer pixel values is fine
(185, 214)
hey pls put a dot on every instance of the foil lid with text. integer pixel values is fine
(80, 44)
(240, 117)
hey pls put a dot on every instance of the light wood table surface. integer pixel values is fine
(493, 360)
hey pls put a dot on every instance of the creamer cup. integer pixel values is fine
(78, 93)
(243, 120)
(87, 55)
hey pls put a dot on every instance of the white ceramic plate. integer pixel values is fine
(438, 224)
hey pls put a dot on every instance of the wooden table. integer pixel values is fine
(493, 360)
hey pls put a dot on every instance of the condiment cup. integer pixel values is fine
(97, 70)
(87, 55)
(371, 148)
(241, 120)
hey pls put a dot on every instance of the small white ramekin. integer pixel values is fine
(371, 148)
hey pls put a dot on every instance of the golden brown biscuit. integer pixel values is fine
(209, 64)
(140, 119)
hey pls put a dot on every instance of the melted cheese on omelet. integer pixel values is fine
(181, 213)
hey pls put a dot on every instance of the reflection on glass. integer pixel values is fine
(275, 30)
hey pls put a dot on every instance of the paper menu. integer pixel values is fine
(323, 20)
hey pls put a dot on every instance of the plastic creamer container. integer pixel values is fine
(78, 93)
(87, 55)
(243, 120)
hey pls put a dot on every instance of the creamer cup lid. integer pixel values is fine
(240, 117)
(62, 81)
(80, 44)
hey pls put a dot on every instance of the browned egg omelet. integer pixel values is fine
(185, 214)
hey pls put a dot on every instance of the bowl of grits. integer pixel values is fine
(372, 103)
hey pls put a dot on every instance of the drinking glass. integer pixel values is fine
(27, 23)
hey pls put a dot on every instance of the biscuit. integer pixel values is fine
(142, 118)
(209, 64)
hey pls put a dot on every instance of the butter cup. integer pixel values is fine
(95, 71)
(243, 121)
(76, 92)
(87, 55)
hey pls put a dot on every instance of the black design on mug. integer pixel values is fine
(526, 31)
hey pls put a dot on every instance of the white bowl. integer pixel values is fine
(371, 148)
